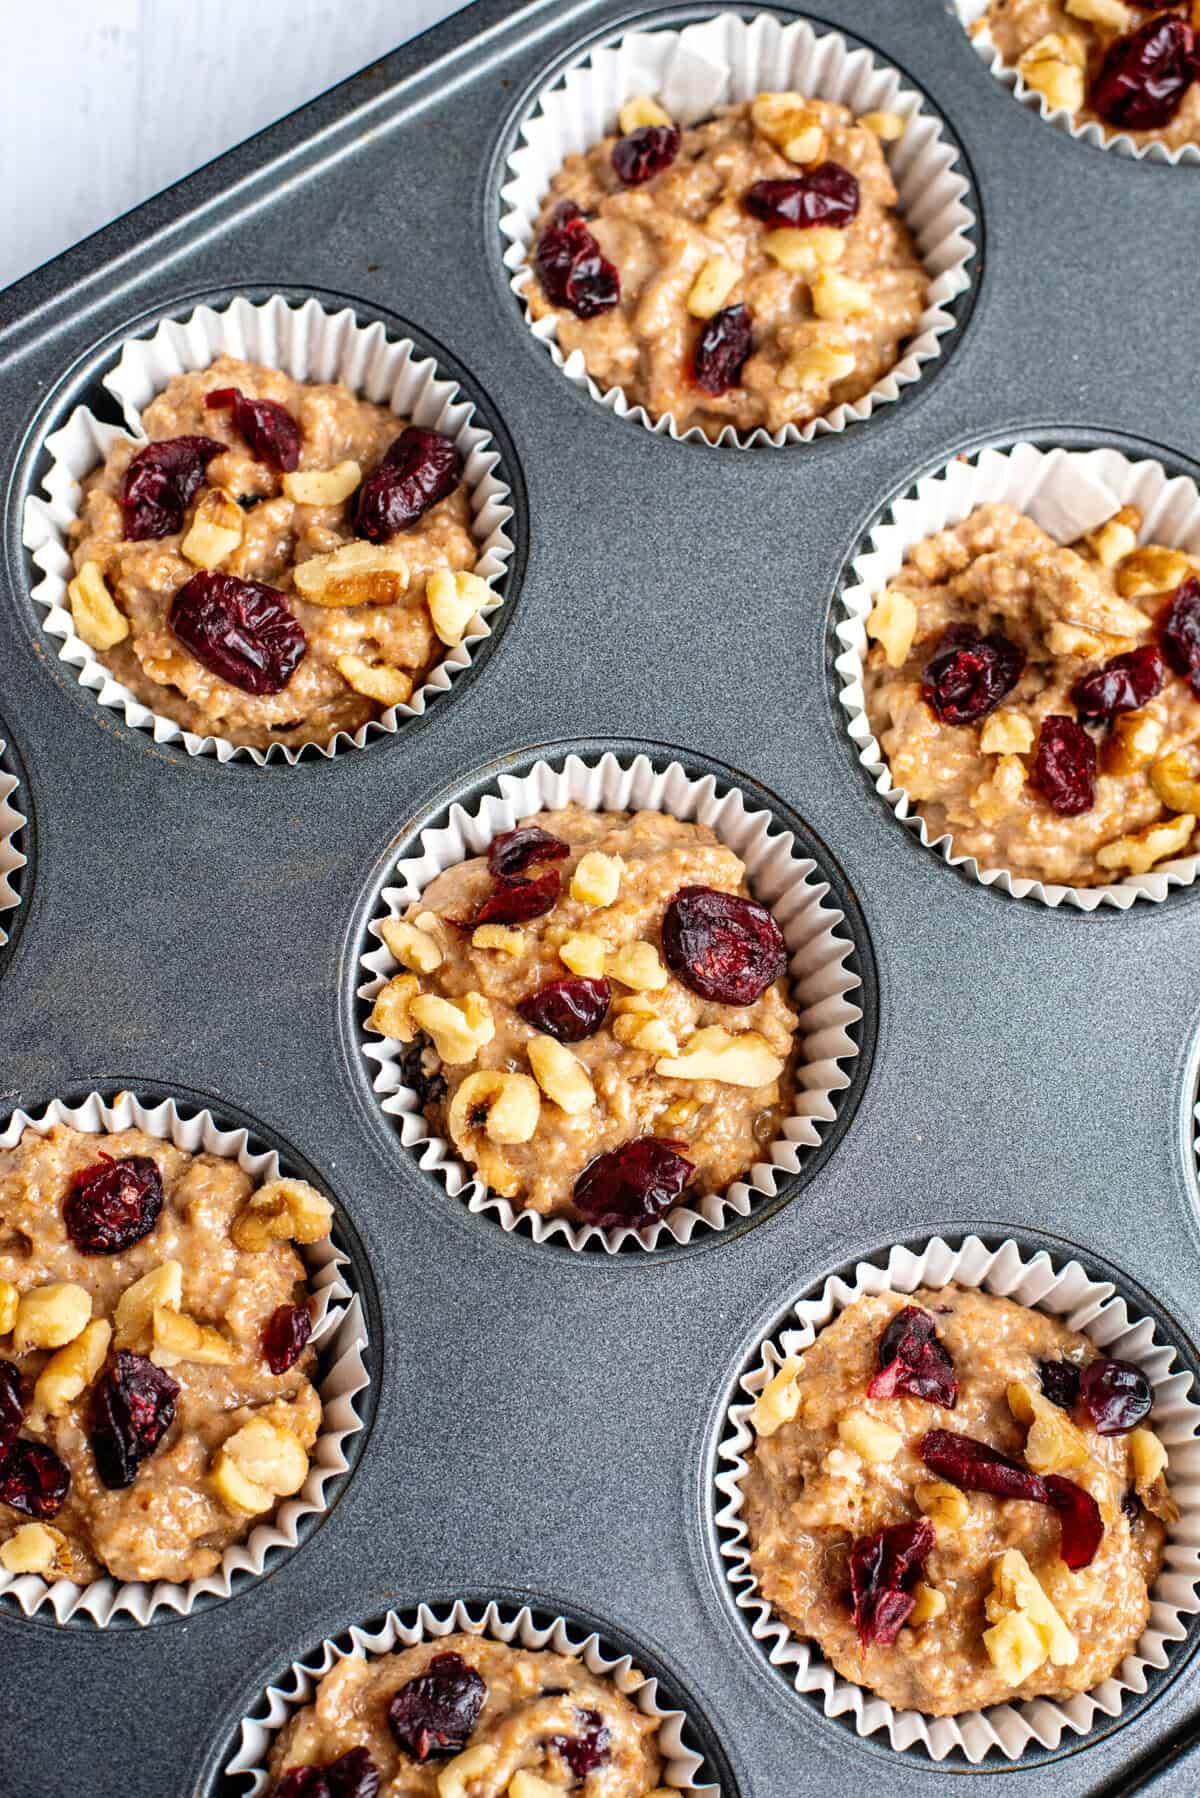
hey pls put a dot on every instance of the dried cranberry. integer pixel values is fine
(568, 1009)
(513, 851)
(883, 1567)
(353, 1775)
(826, 195)
(433, 1715)
(33, 1480)
(1121, 685)
(1080, 1522)
(133, 1407)
(571, 268)
(978, 1468)
(1141, 83)
(969, 674)
(429, 1084)
(160, 482)
(285, 1334)
(242, 631)
(1065, 766)
(912, 1360)
(722, 946)
(632, 1185)
(517, 901)
(1181, 631)
(1060, 1382)
(113, 1204)
(645, 153)
(418, 469)
(12, 1406)
(268, 427)
(725, 343)
(590, 1749)
(1116, 1395)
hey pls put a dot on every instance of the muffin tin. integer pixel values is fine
(545, 1423)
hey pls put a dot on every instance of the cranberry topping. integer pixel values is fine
(242, 631)
(433, 1715)
(12, 1406)
(883, 1569)
(429, 1083)
(1141, 83)
(353, 1775)
(969, 674)
(418, 469)
(1060, 1382)
(632, 1185)
(645, 153)
(268, 427)
(722, 946)
(589, 1749)
(568, 1009)
(912, 1360)
(725, 343)
(33, 1480)
(1121, 685)
(513, 851)
(1181, 632)
(113, 1204)
(825, 195)
(133, 1407)
(1065, 766)
(285, 1334)
(571, 268)
(161, 481)
(516, 901)
(1116, 1395)
(1079, 1521)
(975, 1467)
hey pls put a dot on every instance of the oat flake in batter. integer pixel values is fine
(987, 1611)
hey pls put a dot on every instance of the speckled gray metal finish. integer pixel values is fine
(543, 1423)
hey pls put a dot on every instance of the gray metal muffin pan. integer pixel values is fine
(541, 1424)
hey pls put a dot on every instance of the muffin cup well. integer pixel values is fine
(310, 344)
(973, 14)
(339, 1333)
(11, 821)
(502, 1623)
(788, 883)
(1093, 1307)
(727, 59)
(1067, 492)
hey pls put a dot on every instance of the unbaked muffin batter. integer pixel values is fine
(831, 1466)
(828, 303)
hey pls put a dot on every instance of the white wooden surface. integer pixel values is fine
(104, 102)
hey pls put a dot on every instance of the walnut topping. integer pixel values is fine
(458, 1775)
(322, 486)
(37, 1548)
(524, 1784)
(713, 285)
(50, 1316)
(839, 296)
(802, 251)
(216, 530)
(1006, 733)
(1154, 569)
(133, 1319)
(597, 879)
(889, 126)
(1111, 15)
(1053, 1443)
(453, 600)
(639, 112)
(791, 123)
(1148, 1460)
(1054, 68)
(561, 1076)
(638, 965)
(500, 937)
(1176, 785)
(930, 1603)
(1135, 740)
(1026, 1627)
(177, 1337)
(875, 1441)
(713, 1054)
(72, 1368)
(1139, 853)
(1116, 538)
(893, 625)
(375, 680)
(778, 1401)
(390, 1013)
(9, 1300)
(822, 365)
(944, 1505)
(412, 946)
(259, 1463)
(584, 954)
(459, 1031)
(282, 1210)
(504, 1106)
(357, 574)
(98, 619)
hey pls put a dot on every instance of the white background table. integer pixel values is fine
(104, 102)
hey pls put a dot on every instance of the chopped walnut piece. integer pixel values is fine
(1148, 1459)
(944, 1505)
(930, 1603)
(838, 296)
(412, 946)
(357, 574)
(1017, 1589)
(893, 625)
(561, 1076)
(802, 250)
(791, 123)
(37, 1548)
(390, 1013)
(216, 530)
(1015, 1648)
(713, 285)
(1116, 538)
(713, 1054)
(778, 1401)
(823, 365)
(322, 486)
(639, 112)
(1006, 733)
(375, 680)
(1175, 783)
(505, 1106)
(1154, 569)
(259, 1463)
(177, 1337)
(500, 937)
(1110, 15)
(1054, 68)
(888, 126)
(453, 600)
(98, 619)
(50, 1316)
(458, 1775)
(72, 1368)
(9, 1300)
(459, 1030)
(597, 879)
(1139, 853)
(638, 965)
(133, 1318)
(1135, 740)
(877, 1442)
(1054, 1443)
(282, 1210)
(584, 954)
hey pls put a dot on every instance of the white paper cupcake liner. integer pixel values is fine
(780, 877)
(1067, 492)
(502, 1623)
(339, 1331)
(1093, 1307)
(973, 14)
(727, 59)
(310, 344)
(11, 821)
